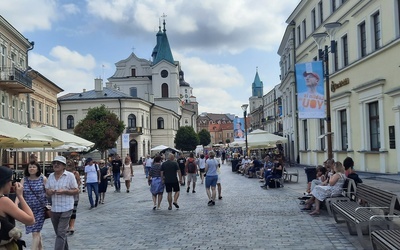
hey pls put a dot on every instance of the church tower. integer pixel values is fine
(256, 100)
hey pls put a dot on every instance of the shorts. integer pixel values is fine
(183, 172)
(211, 181)
(191, 177)
(169, 187)
(202, 170)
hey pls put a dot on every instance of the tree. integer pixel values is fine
(227, 140)
(100, 126)
(204, 137)
(186, 139)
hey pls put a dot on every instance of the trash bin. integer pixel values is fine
(311, 173)
(234, 163)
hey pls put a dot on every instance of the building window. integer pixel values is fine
(142, 121)
(21, 112)
(3, 105)
(33, 110)
(363, 39)
(3, 53)
(53, 113)
(345, 47)
(333, 5)
(304, 27)
(377, 30)
(148, 147)
(14, 108)
(164, 73)
(13, 58)
(305, 130)
(374, 131)
(313, 20)
(131, 121)
(133, 72)
(70, 122)
(298, 35)
(40, 112)
(164, 90)
(133, 91)
(398, 17)
(47, 114)
(147, 122)
(335, 61)
(322, 132)
(321, 12)
(160, 123)
(343, 128)
(144, 147)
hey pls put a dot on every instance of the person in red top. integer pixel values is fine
(191, 170)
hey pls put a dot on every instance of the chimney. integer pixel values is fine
(98, 84)
(108, 85)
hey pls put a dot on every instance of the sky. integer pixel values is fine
(220, 44)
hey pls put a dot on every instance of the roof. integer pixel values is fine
(162, 50)
(106, 93)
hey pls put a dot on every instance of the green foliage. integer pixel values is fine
(227, 140)
(186, 139)
(204, 137)
(100, 126)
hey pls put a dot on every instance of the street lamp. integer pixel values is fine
(244, 108)
(319, 39)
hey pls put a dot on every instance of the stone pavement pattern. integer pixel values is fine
(247, 217)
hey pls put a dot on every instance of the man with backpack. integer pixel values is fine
(191, 170)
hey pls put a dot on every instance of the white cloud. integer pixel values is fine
(71, 8)
(36, 14)
(68, 69)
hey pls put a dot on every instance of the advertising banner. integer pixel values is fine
(125, 140)
(238, 129)
(310, 90)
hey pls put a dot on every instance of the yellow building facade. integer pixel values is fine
(364, 85)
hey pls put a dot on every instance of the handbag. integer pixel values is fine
(46, 207)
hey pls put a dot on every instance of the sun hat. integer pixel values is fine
(60, 159)
(311, 73)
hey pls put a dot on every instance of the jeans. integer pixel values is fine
(147, 171)
(117, 181)
(94, 186)
(60, 223)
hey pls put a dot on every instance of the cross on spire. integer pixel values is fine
(164, 16)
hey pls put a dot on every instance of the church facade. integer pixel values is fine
(151, 97)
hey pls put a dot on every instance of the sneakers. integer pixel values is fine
(210, 203)
(187, 190)
(175, 204)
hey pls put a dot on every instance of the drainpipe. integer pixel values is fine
(28, 106)
(59, 118)
(295, 90)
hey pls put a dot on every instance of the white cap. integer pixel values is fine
(60, 159)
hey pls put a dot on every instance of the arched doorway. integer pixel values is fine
(133, 151)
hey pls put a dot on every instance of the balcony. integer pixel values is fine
(134, 130)
(15, 81)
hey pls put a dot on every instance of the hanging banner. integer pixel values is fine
(125, 140)
(238, 130)
(310, 90)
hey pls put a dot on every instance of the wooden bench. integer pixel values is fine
(384, 239)
(349, 189)
(375, 201)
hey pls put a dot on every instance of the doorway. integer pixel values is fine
(133, 151)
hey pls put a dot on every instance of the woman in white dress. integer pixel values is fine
(127, 172)
(333, 188)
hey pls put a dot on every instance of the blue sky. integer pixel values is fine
(219, 43)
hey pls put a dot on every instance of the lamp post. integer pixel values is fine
(319, 39)
(244, 108)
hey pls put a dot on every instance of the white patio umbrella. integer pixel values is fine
(67, 138)
(159, 148)
(262, 139)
